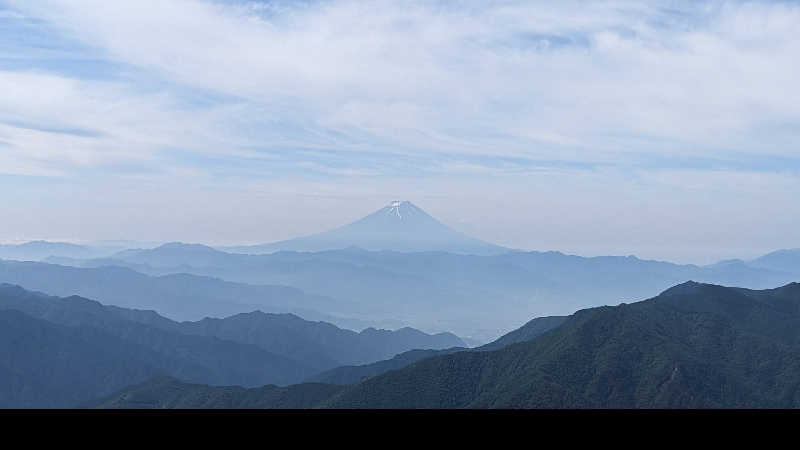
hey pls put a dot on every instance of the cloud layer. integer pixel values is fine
(642, 100)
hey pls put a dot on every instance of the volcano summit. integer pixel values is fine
(398, 226)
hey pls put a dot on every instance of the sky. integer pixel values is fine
(665, 129)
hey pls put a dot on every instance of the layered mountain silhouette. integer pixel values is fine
(353, 374)
(694, 345)
(481, 296)
(63, 351)
(133, 345)
(178, 296)
(319, 345)
(399, 226)
(39, 250)
(787, 260)
(168, 392)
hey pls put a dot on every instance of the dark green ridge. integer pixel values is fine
(693, 346)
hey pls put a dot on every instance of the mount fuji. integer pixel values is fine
(399, 226)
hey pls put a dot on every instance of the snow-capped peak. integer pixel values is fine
(394, 208)
(398, 226)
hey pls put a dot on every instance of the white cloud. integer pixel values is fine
(612, 83)
(427, 76)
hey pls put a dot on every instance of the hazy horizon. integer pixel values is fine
(707, 257)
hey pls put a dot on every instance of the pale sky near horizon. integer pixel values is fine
(665, 129)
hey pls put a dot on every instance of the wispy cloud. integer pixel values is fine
(485, 77)
(340, 90)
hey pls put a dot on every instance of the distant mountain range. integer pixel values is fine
(396, 267)
(399, 226)
(56, 340)
(787, 260)
(474, 296)
(694, 345)
(39, 250)
(178, 296)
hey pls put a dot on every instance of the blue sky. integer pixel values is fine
(665, 129)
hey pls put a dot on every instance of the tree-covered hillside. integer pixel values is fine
(694, 346)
